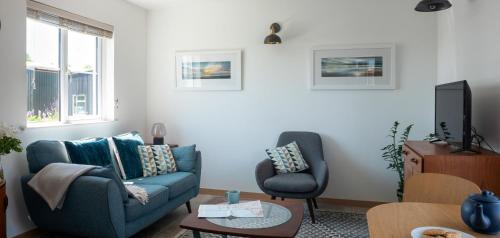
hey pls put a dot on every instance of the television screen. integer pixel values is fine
(453, 120)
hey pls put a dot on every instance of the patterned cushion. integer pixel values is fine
(287, 159)
(156, 159)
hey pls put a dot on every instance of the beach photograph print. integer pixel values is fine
(206, 70)
(352, 67)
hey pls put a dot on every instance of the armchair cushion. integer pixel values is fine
(291, 183)
(177, 183)
(287, 159)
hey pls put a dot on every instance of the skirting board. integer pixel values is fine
(262, 196)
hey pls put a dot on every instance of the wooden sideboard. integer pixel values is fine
(424, 157)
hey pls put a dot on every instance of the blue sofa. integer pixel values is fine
(94, 206)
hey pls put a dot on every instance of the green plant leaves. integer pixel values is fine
(393, 153)
(9, 144)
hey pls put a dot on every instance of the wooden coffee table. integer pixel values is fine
(286, 230)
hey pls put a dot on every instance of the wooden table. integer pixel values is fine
(397, 220)
(286, 230)
(169, 145)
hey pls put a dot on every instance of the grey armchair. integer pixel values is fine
(308, 184)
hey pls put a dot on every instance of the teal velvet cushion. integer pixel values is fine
(90, 151)
(128, 153)
(185, 158)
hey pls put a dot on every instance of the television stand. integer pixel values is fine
(456, 150)
(481, 168)
(436, 141)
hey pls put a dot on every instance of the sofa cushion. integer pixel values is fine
(287, 159)
(43, 152)
(158, 196)
(291, 183)
(185, 158)
(156, 160)
(110, 173)
(90, 151)
(128, 154)
(177, 183)
(117, 164)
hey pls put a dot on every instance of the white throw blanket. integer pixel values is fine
(138, 193)
(53, 181)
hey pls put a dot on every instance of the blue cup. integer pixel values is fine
(232, 197)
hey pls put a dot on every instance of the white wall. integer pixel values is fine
(232, 129)
(130, 84)
(469, 50)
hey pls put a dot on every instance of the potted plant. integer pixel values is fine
(8, 143)
(393, 153)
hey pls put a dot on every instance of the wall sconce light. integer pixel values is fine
(432, 5)
(273, 38)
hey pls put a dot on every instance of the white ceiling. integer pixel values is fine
(156, 4)
(151, 4)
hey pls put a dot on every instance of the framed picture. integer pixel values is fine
(353, 67)
(208, 70)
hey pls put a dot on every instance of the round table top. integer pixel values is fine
(399, 219)
(274, 215)
(286, 230)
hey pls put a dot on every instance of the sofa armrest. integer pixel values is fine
(263, 171)
(92, 207)
(197, 170)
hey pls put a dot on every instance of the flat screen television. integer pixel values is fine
(453, 115)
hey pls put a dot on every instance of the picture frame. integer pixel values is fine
(353, 67)
(208, 70)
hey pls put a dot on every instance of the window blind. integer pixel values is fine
(64, 19)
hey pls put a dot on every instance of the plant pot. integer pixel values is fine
(3, 208)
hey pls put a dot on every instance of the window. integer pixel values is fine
(79, 104)
(67, 69)
(83, 74)
(43, 72)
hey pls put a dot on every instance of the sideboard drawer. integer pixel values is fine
(412, 162)
(481, 168)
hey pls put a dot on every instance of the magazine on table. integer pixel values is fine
(244, 209)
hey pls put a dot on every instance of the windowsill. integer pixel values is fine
(66, 124)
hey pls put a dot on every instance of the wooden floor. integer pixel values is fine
(168, 226)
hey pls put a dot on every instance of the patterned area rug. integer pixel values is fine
(329, 224)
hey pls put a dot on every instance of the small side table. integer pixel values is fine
(3, 208)
(170, 145)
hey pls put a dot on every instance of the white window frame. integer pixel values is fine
(102, 79)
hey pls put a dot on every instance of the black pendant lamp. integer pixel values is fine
(432, 5)
(273, 38)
